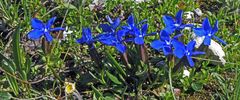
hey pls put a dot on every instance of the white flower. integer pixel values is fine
(189, 15)
(186, 73)
(96, 2)
(66, 32)
(70, 87)
(140, 1)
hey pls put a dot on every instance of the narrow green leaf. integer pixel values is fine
(11, 68)
(5, 95)
(113, 78)
(17, 51)
(13, 84)
(70, 6)
(115, 64)
(97, 93)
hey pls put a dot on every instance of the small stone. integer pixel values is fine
(198, 11)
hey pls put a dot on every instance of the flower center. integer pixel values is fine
(45, 30)
(176, 25)
(167, 42)
(188, 53)
(141, 35)
(209, 34)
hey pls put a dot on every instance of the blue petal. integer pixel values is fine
(150, 34)
(109, 19)
(120, 34)
(128, 40)
(167, 51)
(136, 31)
(168, 21)
(130, 20)
(179, 52)
(37, 24)
(116, 23)
(190, 61)
(178, 45)
(179, 17)
(198, 53)
(199, 31)
(170, 29)
(206, 25)
(190, 45)
(207, 40)
(215, 28)
(35, 34)
(157, 44)
(87, 33)
(105, 27)
(57, 29)
(164, 35)
(139, 40)
(189, 25)
(107, 39)
(121, 48)
(81, 40)
(220, 40)
(145, 20)
(50, 22)
(176, 36)
(48, 36)
(144, 29)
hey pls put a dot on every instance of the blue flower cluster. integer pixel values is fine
(116, 36)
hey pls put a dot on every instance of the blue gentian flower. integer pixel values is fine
(42, 29)
(208, 32)
(112, 26)
(139, 35)
(86, 37)
(181, 50)
(131, 26)
(130, 23)
(172, 25)
(112, 39)
(132, 29)
(164, 43)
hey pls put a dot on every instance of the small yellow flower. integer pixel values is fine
(69, 87)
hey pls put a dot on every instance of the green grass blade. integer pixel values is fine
(113, 78)
(17, 55)
(115, 64)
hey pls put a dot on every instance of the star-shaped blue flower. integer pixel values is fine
(181, 50)
(131, 26)
(165, 42)
(113, 39)
(112, 26)
(139, 35)
(130, 23)
(174, 24)
(208, 32)
(86, 37)
(132, 29)
(42, 29)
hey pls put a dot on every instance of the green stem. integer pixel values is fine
(170, 81)
(171, 65)
(53, 71)
(55, 74)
